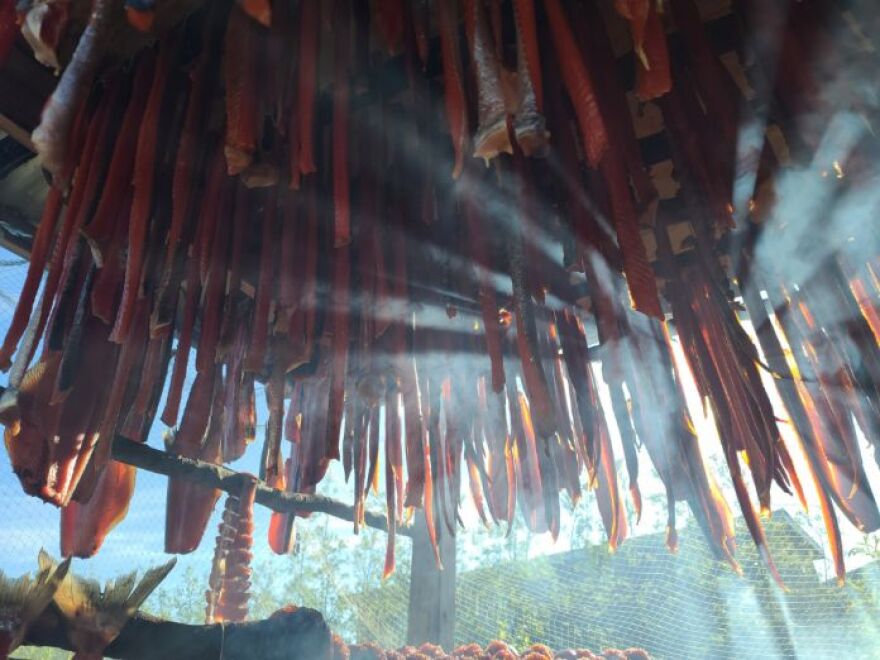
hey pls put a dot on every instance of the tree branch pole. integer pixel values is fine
(216, 476)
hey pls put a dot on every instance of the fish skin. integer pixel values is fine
(640, 277)
(491, 137)
(529, 125)
(578, 83)
(56, 121)
(339, 319)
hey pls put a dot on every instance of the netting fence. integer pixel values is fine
(684, 605)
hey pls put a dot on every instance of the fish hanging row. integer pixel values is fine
(340, 248)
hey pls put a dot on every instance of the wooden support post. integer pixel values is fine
(431, 590)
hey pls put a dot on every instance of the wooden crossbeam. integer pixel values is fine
(144, 457)
(216, 476)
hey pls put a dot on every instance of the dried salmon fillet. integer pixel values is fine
(341, 102)
(240, 71)
(36, 265)
(578, 83)
(143, 183)
(453, 82)
(529, 125)
(307, 83)
(85, 526)
(655, 79)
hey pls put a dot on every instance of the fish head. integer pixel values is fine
(28, 453)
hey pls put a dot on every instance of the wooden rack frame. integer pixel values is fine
(153, 460)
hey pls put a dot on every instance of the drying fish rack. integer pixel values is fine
(24, 87)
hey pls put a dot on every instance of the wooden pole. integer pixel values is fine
(431, 615)
(216, 476)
